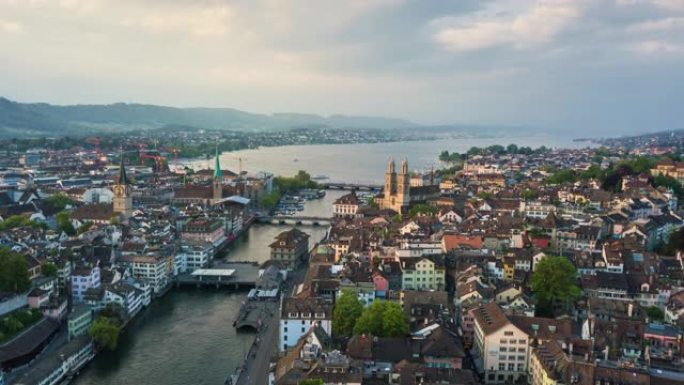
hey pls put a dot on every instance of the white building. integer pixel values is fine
(297, 316)
(126, 296)
(82, 279)
(154, 270)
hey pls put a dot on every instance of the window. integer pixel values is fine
(522, 341)
(502, 349)
(502, 366)
(511, 367)
(503, 341)
(502, 358)
(521, 367)
(508, 333)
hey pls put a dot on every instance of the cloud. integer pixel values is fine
(665, 24)
(656, 47)
(11, 27)
(598, 63)
(535, 25)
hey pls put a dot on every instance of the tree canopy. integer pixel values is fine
(347, 310)
(14, 277)
(105, 331)
(382, 319)
(554, 282)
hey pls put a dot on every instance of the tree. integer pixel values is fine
(84, 227)
(382, 319)
(370, 321)
(14, 277)
(347, 310)
(60, 201)
(674, 243)
(562, 176)
(64, 223)
(393, 322)
(512, 149)
(554, 282)
(655, 313)
(528, 195)
(105, 332)
(49, 269)
(422, 209)
(312, 381)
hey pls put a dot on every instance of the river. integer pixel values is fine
(186, 337)
(366, 163)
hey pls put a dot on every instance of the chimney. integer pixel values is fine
(570, 349)
(630, 309)
(605, 353)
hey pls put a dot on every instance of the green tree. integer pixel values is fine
(382, 319)
(347, 310)
(269, 200)
(64, 223)
(49, 269)
(14, 277)
(105, 332)
(393, 322)
(312, 381)
(512, 149)
(554, 282)
(528, 195)
(562, 176)
(60, 201)
(674, 244)
(422, 209)
(655, 313)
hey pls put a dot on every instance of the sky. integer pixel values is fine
(613, 66)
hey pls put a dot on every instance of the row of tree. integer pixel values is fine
(496, 149)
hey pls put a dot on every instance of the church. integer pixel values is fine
(398, 194)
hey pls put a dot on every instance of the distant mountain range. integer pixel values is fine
(41, 119)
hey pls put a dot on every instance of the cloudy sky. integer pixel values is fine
(613, 65)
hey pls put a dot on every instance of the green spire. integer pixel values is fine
(122, 172)
(217, 168)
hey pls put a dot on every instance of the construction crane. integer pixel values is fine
(240, 160)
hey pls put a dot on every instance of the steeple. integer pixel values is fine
(122, 179)
(217, 168)
(390, 165)
(404, 167)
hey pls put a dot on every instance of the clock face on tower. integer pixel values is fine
(118, 190)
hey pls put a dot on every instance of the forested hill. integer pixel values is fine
(41, 119)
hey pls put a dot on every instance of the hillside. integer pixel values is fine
(41, 119)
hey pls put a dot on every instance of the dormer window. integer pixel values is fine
(293, 315)
(320, 315)
(306, 315)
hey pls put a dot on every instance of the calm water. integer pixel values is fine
(187, 337)
(366, 163)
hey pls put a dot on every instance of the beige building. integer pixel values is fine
(500, 348)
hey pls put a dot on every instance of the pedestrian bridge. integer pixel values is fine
(295, 221)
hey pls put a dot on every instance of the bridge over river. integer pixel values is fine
(295, 220)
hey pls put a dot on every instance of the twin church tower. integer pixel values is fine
(397, 188)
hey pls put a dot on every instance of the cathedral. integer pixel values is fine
(398, 194)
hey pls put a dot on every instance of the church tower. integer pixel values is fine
(123, 201)
(390, 180)
(217, 184)
(403, 183)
